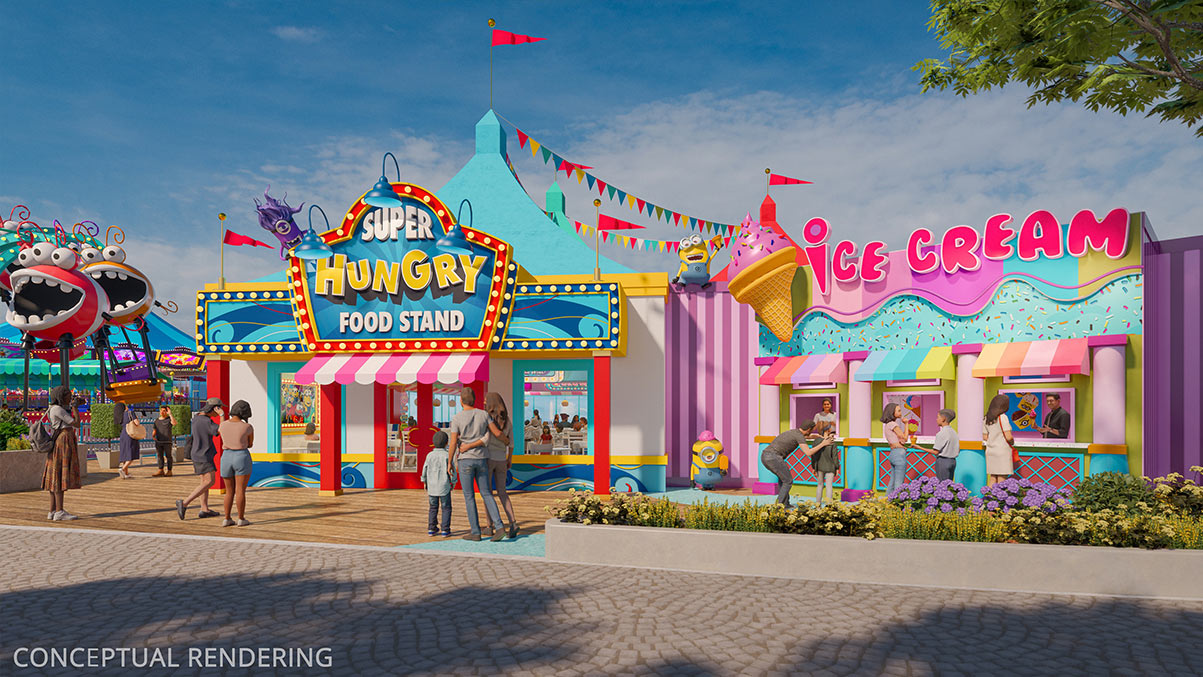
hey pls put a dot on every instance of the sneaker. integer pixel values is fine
(158, 474)
(445, 534)
(513, 531)
(227, 522)
(179, 509)
(50, 515)
(208, 513)
(472, 537)
(167, 474)
(244, 523)
(64, 516)
(431, 532)
(121, 473)
(498, 534)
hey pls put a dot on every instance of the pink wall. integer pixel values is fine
(710, 379)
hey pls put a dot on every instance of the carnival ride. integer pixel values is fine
(66, 288)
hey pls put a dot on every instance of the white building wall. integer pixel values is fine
(501, 381)
(248, 381)
(637, 382)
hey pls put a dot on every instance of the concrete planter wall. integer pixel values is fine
(22, 470)
(107, 459)
(950, 564)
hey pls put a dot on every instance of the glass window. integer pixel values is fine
(555, 412)
(1028, 409)
(402, 420)
(300, 424)
(805, 407)
(919, 410)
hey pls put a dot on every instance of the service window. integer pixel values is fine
(919, 410)
(1029, 406)
(300, 423)
(804, 406)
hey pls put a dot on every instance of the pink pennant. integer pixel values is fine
(521, 138)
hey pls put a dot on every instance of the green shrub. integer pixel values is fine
(744, 516)
(1115, 491)
(1138, 529)
(972, 526)
(183, 419)
(12, 424)
(103, 425)
(18, 444)
(1177, 495)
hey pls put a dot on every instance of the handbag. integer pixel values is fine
(1014, 451)
(135, 430)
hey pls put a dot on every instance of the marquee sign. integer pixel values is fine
(389, 287)
(962, 248)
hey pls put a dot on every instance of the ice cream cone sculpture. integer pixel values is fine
(762, 272)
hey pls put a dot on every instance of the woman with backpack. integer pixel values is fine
(62, 463)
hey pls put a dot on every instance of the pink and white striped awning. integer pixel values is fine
(385, 368)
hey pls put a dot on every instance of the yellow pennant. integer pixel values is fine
(534, 148)
(580, 175)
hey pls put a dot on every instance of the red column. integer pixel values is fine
(478, 387)
(421, 438)
(601, 425)
(217, 384)
(331, 444)
(380, 416)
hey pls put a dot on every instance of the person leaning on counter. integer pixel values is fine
(1056, 421)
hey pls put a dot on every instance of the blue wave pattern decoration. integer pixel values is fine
(265, 322)
(306, 474)
(1018, 311)
(570, 312)
(562, 477)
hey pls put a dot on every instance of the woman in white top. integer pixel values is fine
(998, 440)
(499, 444)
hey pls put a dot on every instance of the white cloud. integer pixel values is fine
(297, 33)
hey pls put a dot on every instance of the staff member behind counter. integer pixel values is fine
(1056, 421)
(774, 455)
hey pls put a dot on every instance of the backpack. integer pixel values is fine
(41, 438)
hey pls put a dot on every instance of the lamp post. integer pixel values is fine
(382, 194)
(454, 240)
(597, 240)
(221, 275)
(312, 247)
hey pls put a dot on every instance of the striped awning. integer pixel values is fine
(1033, 358)
(907, 365)
(804, 369)
(384, 368)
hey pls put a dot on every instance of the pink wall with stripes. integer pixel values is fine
(710, 380)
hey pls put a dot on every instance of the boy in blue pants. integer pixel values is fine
(438, 482)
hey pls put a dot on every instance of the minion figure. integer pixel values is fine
(709, 464)
(695, 262)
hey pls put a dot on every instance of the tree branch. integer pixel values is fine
(1145, 70)
(1160, 34)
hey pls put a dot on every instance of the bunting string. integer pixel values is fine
(614, 193)
(643, 244)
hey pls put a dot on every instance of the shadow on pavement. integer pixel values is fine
(1086, 636)
(465, 627)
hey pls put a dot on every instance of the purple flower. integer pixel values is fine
(945, 507)
(929, 510)
(992, 505)
(960, 511)
(1011, 500)
(933, 500)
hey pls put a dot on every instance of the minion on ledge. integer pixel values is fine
(709, 465)
(695, 262)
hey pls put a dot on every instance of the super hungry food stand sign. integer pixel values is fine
(389, 286)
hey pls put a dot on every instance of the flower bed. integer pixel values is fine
(1014, 511)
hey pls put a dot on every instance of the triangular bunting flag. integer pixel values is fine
(611, 190)
(521, 138)
(546, 155)
(590, 180)
(557, 161)
(676, 218)
(604, 234)
(580, 175)
(659, 212)
(534, 148)
(601, 186)
(622, 196)
(650, 207)
(578, 225)
(631, 200)
(640, 203)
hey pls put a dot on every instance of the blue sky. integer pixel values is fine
(156, 116)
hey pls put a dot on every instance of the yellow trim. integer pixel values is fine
(578, 459)
(247, 286)
(307, 457)
(970, 444)
(764, 438)
(856, 442)
(329, 492)
(1107, 449)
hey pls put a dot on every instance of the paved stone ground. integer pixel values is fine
(384, 610)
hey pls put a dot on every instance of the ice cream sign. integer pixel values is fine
(963, 248)
(390, 287)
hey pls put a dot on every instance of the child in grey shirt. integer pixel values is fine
(947, 445)
(438, 481)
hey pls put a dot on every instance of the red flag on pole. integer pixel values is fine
(610, 223)
(501, 37)
(236, 240)
(779, 180)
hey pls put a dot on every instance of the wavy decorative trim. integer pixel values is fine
(937, 299)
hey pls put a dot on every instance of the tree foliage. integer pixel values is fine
(1121, 55)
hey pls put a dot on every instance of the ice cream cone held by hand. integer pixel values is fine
(762, 272)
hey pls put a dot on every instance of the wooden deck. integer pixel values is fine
(359, 516)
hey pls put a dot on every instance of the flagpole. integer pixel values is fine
(492, 23)
(597, 239)
(768, 180)
(221, 276)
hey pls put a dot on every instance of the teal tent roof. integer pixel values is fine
(501, 207)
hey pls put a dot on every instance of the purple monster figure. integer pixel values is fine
(275, 216)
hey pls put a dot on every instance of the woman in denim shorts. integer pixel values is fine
(237, 436)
